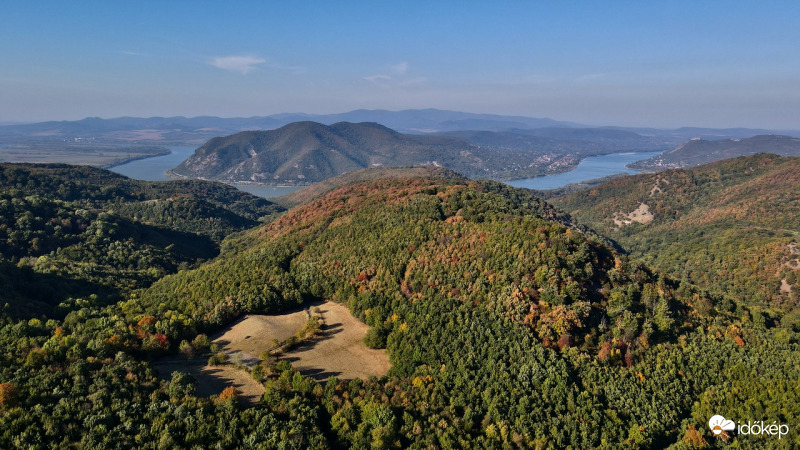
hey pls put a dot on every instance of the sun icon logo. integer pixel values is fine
(719, 425)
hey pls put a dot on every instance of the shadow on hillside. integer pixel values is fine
(32, 294)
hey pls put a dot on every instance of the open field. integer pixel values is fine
(338, 349)
(253, 334)
(211, 380)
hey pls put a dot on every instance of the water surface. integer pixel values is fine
(152, 169)
(588, 169)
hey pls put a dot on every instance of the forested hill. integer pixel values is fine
(506, 327)
(317, 190)
(502, 325)
(700, 151)
(306, 152)
(68, 231)
(387, 242)
(731, 226)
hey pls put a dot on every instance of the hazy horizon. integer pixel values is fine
(709, 64)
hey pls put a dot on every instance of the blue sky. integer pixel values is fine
(665, 63)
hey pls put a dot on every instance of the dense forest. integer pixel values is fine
(70, 233)
(507, 325)
(731, 226)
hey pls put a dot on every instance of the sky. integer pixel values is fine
(626, 63)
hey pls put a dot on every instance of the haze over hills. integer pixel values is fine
(197, 130)
(711, 134)
(700, 151)
(304, 152)
(577, 141)
(480, 145)
(200, 129)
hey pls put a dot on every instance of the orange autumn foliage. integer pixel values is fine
(228, 393)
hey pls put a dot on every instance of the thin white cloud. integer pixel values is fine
(240, 64)
(401, 68)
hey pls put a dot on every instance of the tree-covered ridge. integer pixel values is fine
(78, 231)
(700, 151)
(475, 242)
(306, 152)
(507, 327)
(196, 206)
(730, 227)
(316, 190)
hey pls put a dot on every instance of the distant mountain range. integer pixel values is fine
(197, 130)
(305, 152)
(580, 141)
(700, 151)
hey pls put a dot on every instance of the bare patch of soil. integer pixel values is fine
(253, 334)
(211, 380)
(641, 215)
(786, 288)
(338, 350)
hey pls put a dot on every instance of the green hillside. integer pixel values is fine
(79, 231)
(731, 226)
(506, 326)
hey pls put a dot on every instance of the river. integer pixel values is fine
(588, 169)
(153, 169)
